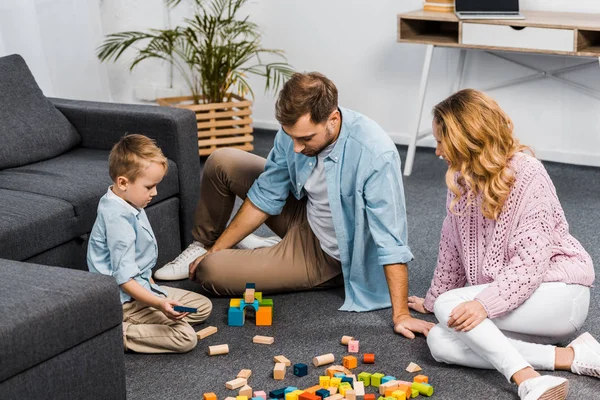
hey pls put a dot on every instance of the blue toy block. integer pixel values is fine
(339, 375)
(388, 378)
(348, 379)
(254, 305)
(323, 393)
(289, 389)
(277, 394)
(300, 369)
(236, 316)
(250, 285)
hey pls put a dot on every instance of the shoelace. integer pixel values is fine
(186, 254)
(588, 369)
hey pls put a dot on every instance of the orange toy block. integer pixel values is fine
(350, 362)
(369, 358)
(264, 316)
(421, 379)
(369, 396)
(209, 396)
(308, 396)
(313, 389)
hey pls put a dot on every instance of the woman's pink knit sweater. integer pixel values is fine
(527, 245)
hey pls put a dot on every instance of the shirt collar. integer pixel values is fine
(112, 196)
(336, 153)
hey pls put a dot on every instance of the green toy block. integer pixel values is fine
(365, 377)
(266, 302)
(376, 379)
(414, 393)
(425, 390)
(258, 296)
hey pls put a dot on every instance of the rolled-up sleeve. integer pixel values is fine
(120, 240)
(272, 188)
(386, 210)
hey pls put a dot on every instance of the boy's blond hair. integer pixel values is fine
(132, 154)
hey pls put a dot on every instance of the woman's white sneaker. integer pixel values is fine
(544, 387)
(253, 241)
(587, 356)
(179, 268)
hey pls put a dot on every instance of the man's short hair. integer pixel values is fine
(306, 93)
(132, 155)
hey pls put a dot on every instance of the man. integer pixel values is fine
(345, 221)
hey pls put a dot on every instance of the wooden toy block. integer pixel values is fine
(324, 381)
(313, 389)
(209, 396)
(217, 350)
(369, 358)
(263, 339)
(399, 395)
(344, 387)
(246, 391)
(386, 386)
(230, 398)
(245, 373)
(333, 390)
(350, 362)
(425, 390)
(414, 393)
(331, 371)
(404, 388)
(335, 382)
(388, 378)
(279, 371)
(260, 393)
(235, 302)
(277, 394)
(253, 304)
(359, 388)
(282, 359)
(323, 393)
(290, 389)
(412, 367)
(206, 332)
(369, 396)
(295, 394)
(300, 369)
(266, 303)
(353, 346)
(258, 296)
(350, 395)
(241, 397)
(236, 316)
(421, 379)
(346, 339)
(348, 379)
(249, 295)
(324, 359)
(365, 378)
(236, 383)
(308, 396)
(264, 316)
(376, 379)
(250, 285)
(335, 397)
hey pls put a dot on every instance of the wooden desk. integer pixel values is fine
(541, 32)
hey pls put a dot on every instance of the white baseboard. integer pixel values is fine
(561, 156)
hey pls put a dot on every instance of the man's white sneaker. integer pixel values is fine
(253, 241)
(179, 268)
(587, 356)
(544, 387)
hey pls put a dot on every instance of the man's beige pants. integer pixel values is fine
(148, 330)
(296, 263)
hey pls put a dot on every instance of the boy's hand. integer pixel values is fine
(166, 306)
(467, 316)
(417, 304)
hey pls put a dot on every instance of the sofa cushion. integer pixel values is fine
(31, 223)
(48, 310)
(31, 128)
(74, 180)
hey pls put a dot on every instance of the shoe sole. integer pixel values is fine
(556, 393)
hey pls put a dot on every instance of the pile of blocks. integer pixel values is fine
(263, 307)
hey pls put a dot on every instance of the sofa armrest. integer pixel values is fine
(101, 125)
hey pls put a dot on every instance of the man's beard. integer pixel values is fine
(329, 136)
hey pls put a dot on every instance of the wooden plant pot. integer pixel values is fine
(226, 124)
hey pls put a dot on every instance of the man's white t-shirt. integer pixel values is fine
(318, 209)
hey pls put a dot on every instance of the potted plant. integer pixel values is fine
(215, 52)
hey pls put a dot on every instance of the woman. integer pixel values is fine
(505, 234)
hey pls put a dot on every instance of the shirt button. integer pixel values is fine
(310, 164)
(299, 184)
(335, 158)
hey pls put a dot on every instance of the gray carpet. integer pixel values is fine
(308, 324)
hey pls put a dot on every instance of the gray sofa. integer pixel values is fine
(63, 326)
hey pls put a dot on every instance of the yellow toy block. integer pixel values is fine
(241, 397)
(414, 393)
(324, 381)
(399, 395)
(235, 302)
(258, 296)
(335, 382)
(344, 386)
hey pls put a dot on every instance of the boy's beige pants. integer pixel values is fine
(148, 330)
(296, 263)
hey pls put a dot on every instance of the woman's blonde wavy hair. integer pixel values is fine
(477, 140)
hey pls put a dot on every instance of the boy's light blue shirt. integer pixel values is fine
(364, 184)
(122, 244)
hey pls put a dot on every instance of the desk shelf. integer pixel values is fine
(428, 31)
(588, 42)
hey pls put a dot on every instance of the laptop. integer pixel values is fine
(487, 9)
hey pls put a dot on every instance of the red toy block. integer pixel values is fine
(369, 358)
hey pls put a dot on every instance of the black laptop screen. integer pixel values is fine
(487, 5)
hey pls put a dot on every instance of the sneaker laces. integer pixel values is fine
(187, 253)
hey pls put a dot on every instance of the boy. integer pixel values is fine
(122, 244)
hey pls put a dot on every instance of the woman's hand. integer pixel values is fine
(417, 304)
(467, 316)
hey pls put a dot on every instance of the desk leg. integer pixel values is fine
(460, 71)
(412, 147)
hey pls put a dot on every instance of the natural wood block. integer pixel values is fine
(206, 332)
(335, 397)
(279, 371)
(236, 383)
(263, 339)
(249, 296)
(282, 359)
(217, 350)
(333, 390)
(245, 373)
(324, 359)
(350, 395)
(261, 394)
(246, 391)
(346, 339)
(359, 388)
(412, 367)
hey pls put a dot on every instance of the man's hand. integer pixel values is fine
(467, 316)
(417, 304)
(194, 264)
(407, 326)
(166, 306)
